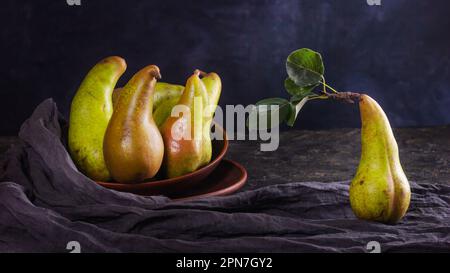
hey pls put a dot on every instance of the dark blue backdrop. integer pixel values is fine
(397, 52)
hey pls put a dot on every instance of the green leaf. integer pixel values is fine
(294, 110)
(263, 110)
(296, 90)
(305, 67)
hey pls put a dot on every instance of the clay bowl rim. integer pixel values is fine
(223, 191)
(168, 181)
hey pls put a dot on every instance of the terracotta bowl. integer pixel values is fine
(226, 179)
(175, 186)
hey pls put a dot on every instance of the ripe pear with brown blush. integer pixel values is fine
(380, 190)
(186, 148)
(165, 97)
(133, 146)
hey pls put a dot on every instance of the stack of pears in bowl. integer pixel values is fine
(129, 138)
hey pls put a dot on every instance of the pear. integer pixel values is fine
(186, 148)
(380, 190)
(165, 97)
(90, 112)
(213, 85)
(166, 91)
(164, 110)
(133, 146)
(115, 96)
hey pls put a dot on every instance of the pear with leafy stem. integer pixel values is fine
(380, 190)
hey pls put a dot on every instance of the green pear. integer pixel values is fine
(164, 110)
(90, 113)
(380, 190)
(166, 91)
(213, 85)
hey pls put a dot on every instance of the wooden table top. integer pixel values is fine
(333, 155)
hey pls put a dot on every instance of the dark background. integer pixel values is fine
(397, 52)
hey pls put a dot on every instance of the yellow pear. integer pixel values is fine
(380, 190)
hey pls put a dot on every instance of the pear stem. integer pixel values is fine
(200, 73)
(348, 97)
